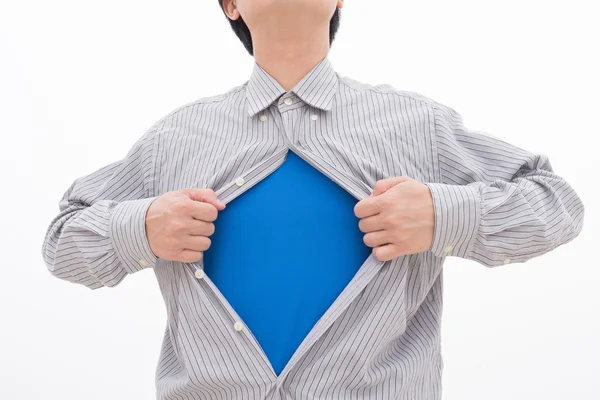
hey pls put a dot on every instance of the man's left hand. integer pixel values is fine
(398, 218)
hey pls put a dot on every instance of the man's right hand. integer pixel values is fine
(179, 223)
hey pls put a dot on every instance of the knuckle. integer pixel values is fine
(377, 254)
(214, 212)
(206, 193)
(181, 207)
(177, 226)
(210, 213)
(386, 201)
(205, 243)
(386, 220)
(391, 220)
(361, 225)
(211, 229)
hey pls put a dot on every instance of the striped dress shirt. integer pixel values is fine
(494, 203)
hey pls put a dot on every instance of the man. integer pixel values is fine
(321, 278)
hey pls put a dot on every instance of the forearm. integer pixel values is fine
(506, 221)
(100, 244)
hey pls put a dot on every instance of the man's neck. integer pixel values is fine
(288, 60)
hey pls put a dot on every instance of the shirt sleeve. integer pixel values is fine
(496, 203)
(99, 234)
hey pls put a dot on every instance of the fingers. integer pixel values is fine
(386, 252)
(370, 224)
(383, 185)
(190, 256)
(204, 196)
(367, 207)
(202, 211)
(378, 238)
(195, 243)
(201, 228)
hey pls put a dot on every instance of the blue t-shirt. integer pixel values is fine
(283, 251)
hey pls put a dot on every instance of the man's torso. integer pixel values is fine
(380, 338)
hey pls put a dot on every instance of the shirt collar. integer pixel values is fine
(317, 88)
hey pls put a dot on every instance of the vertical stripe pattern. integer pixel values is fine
(494, 203)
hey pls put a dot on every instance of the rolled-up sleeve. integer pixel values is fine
(496, 203)
(99, 236)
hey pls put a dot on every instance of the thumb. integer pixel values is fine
(205, 196)
(384, 185)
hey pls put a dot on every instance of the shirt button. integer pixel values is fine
(288, 101)
(143, 262)
(263, 118)
(199, 273)
(314, 117)
(448, 249)
(238, 326)
(506, 260)
(240, 181)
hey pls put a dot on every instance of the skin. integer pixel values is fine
(398, 219)
(289, 38)
(179, 224)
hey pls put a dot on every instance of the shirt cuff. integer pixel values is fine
(457, 210)
(127, 229)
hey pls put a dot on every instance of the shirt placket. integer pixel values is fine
(226, 194)
(292, 110)
(289, 108)
(286, 115)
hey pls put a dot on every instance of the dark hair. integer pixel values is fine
(243, 33)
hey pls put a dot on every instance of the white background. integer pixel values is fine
(81, 81)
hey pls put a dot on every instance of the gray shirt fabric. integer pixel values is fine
(494, 203)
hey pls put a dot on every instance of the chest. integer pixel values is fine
(215, 149)
(232, 155)
(283, 252)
